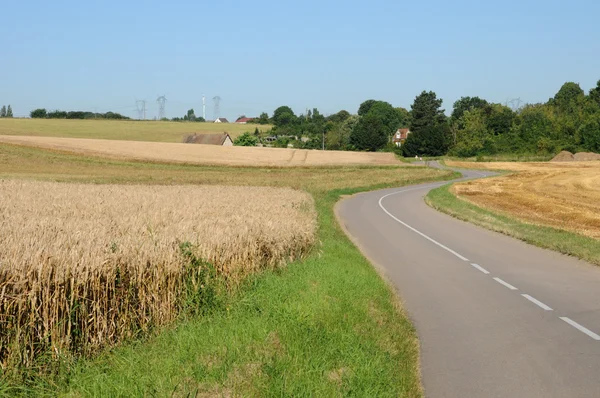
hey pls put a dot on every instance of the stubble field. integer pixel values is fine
(560, 195)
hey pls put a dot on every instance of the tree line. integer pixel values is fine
(42, 113)
(6, 111)
(568, 121)
(190, 116)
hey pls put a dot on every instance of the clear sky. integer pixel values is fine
(257, 55)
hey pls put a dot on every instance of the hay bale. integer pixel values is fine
(586, 156)
(564, 156)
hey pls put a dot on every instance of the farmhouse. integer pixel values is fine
(209, 139)
(244, 120)
(400, 136)
(222, 120)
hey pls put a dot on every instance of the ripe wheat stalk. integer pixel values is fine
(83, 267)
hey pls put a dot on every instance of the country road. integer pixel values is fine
(495, 317)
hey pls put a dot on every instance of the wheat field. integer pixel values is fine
(203, 154)
(83, 267)
(130, 130)
(560, 195)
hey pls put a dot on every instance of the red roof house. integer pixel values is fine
(400, 136)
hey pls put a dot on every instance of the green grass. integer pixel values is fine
(507, 157)
(131, 130)
(325, 326)
(565, 242)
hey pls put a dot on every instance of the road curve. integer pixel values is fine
(496, 317)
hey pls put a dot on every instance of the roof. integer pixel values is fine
(244, 120)
(206, 139)
(223, 120)
(403, 135)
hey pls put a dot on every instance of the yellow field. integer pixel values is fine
(561, 195)
(130, 130)
(84, 266)
(204, 154)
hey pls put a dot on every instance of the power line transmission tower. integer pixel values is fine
(515, 104)
(162, 100)
(141, 109)
(203, 107)
(217, 107)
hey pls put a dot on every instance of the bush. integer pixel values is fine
(246, 139)
(40, 113)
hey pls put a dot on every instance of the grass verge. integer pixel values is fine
(565, 242)
(325, 326)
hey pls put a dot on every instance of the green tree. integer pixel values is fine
(365, 107)
(246, 139)
(39, 113)
(466, 104)
(426, 112)
(370, 133)
(588, 135)
(430, 134)
(284, 116)
(338, 137)
(388, 115)
(262, 119)
(339, 117)
(190, 116)
(9, 111)
(595, 93)
(499, 118)
(3, 111)
(568, 96)
(433, 140)
(474, 137)
(532, 125)
(403, 116)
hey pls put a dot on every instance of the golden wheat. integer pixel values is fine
(204, 154)
(85, 266)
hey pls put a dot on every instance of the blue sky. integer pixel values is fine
(332, 55)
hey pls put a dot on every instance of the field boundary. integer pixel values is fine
(546, 237)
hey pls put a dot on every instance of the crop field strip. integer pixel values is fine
(203, 154)
(85, 266)
(129, 130)
(560, 195)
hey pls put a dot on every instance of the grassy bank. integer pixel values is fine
(326, 326)
(546, 237)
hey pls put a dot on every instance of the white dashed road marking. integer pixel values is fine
(581, 328)
(480, 268)
(537, 302)
(414, 229)
(508, 285)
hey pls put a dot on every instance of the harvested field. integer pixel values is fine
(85, 266)
(204, 154)
(129, 130)
(562, 195)
(566, 156)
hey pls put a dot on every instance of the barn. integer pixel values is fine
(209, 139)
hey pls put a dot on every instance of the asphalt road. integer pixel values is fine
(496, 317)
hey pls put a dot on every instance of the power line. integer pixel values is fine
(162, 100)
(217, 107)
(141, 109)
